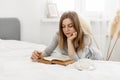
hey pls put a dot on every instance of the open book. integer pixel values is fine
(52, 60)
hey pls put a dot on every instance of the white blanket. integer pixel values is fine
(15, 64)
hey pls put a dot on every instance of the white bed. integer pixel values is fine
(15, 64)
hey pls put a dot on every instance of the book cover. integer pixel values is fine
(52, 60)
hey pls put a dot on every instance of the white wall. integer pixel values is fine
(29, 13)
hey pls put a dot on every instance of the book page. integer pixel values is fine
(61, 57)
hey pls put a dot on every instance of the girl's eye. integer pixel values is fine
(63, 26)
(70, 26)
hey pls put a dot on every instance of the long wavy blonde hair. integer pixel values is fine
(78, 42)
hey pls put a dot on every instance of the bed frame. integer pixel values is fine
(10, 28)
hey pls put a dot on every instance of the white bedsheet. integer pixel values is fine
(15, 64)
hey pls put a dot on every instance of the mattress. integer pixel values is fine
(15, 64)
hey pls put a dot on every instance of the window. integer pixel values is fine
(95, 5)
(97, 8)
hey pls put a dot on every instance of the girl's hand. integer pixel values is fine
(73, 36)
(36, 55)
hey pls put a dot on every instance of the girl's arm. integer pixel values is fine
(51, 47)
(71, 48)
(36, 54)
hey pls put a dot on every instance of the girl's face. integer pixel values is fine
(68, 27)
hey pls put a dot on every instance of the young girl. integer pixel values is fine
(71, 40)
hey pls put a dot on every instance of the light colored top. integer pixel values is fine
(89, 50)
